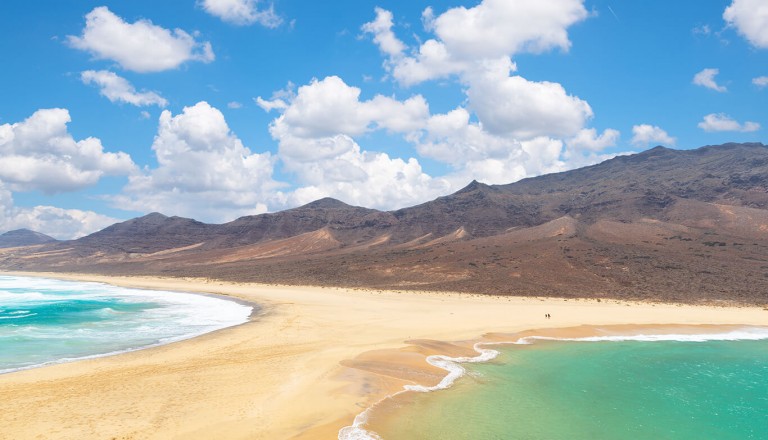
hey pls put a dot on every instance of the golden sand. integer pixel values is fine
(302, 368)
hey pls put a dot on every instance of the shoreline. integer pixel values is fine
(487, 348)
(313, 360)
(254, 312)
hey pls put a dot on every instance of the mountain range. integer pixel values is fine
(667, 225)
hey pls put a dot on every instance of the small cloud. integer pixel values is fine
(428, 19)
(645, 134)
(721, 122)
(706, 78)
(145, 114)
(588, 140)
(381, 29)
(140, 46)
(760, 81)
(118, 89)
(234, 105)
(702, 30)
(272, 104)
(242, 12)
(280, 98)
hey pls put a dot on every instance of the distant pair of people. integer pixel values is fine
(547, 316)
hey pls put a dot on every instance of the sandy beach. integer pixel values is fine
(304, 367)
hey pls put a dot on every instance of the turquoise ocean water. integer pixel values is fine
(558, 390)
(45, 321)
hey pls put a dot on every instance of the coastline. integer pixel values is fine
(163, 338)
(312, 360)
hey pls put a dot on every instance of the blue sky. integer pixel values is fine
(214, 109)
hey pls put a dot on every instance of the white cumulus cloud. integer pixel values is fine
(476, 154)
(242, 12)
(454, 139)
(588, 140)
(329, 106)
(508, 127)
(490, 30)
(523, 109)
(722, 122)
(358, 177)
(432, 61)
(141, 46)
(499, 27)
(64, 224)
(40, 154)
(646, 134)
(204, 171)
(381, 29)
(118, 89)
(475, 45)
(750, 18)
(706, 78)
(316, 130)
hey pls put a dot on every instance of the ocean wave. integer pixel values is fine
(455, 370)
(63, 360)
(17, 316)
(151, 318)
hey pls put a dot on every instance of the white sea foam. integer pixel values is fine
(9, 298)
(356, 430)
(17, 316)
(455, 370)
(453, 366)
(743, 334)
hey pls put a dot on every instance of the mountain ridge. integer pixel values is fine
(703, 212)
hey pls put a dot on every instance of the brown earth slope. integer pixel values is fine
(687, 225)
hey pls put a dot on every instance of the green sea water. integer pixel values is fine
(596, 390)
